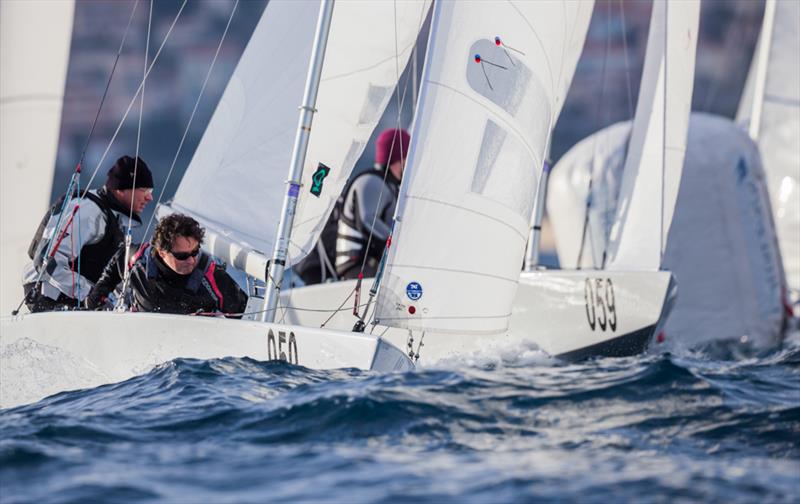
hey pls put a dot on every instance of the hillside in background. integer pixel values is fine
(603, 91)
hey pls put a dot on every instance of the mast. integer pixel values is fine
(532, 256)
(277, 264)
(762, 62)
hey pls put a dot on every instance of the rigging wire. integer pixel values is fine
(391, 149)
(625, 56)
(400, 102)
(599, 124)
(378, 205)
(108, 84)
(126, 277)
(191, 117)
(664, 131)
(74, 181)
(631, 113)
(133, 100)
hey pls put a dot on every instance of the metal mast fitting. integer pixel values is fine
(278, 263)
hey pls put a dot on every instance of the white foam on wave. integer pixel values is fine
(30, 371)
(512, 352)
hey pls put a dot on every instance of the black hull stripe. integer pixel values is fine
(622, 346)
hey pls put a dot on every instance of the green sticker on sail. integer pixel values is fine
(318, 178)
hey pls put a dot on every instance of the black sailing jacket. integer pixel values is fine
(156, 288)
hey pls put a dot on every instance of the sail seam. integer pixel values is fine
(451, 317)
(452, 270)
(429, 200)
(370, 67)
(510, 127)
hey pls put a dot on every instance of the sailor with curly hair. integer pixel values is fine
(172, 275)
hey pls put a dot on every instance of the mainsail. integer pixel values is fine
(770, 109)
(495, 77)
(654, 164)
(34, 54)
(237, 178)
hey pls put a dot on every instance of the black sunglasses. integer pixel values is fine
(182, 256)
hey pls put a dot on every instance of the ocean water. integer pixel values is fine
(703, 426)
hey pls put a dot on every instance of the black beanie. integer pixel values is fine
(120, 176)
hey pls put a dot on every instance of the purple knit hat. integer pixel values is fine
(391, 146)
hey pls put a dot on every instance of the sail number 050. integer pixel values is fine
(600, 308)
(276, 346)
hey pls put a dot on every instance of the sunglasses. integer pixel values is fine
(182, 256)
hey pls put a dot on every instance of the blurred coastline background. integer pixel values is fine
(604, 89)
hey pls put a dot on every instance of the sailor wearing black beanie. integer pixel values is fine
(129, 173)
(95, 232)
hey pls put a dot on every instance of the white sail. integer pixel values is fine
(34, 54)
(770, 109)
(494, 80)
(722, 246)
(654, 164)
(247, 146)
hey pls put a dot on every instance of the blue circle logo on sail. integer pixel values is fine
(414, 291)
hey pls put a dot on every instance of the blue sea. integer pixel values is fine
(704, 426)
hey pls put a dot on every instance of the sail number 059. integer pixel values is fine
(282, 348)
(600, 308)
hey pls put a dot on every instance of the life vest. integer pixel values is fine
(352, 235)
(154, 292)
(92, 258)
(310, 268)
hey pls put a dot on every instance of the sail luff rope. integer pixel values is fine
(191, 117)
(128, 238)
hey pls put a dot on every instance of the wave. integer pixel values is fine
(242, 430)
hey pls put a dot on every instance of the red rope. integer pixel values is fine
(64, 231)
(72, 258)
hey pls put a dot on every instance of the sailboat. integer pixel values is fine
(770, 111)
(34, 71)
(235, 187)
(488, 103)
(721, 243)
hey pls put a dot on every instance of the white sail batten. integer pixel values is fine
(247, 147)
(770, 110)
(34, 55)
(654, 164)
(494, 80)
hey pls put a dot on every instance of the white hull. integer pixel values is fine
(118, 346)
(722, 247)
(559, 311)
